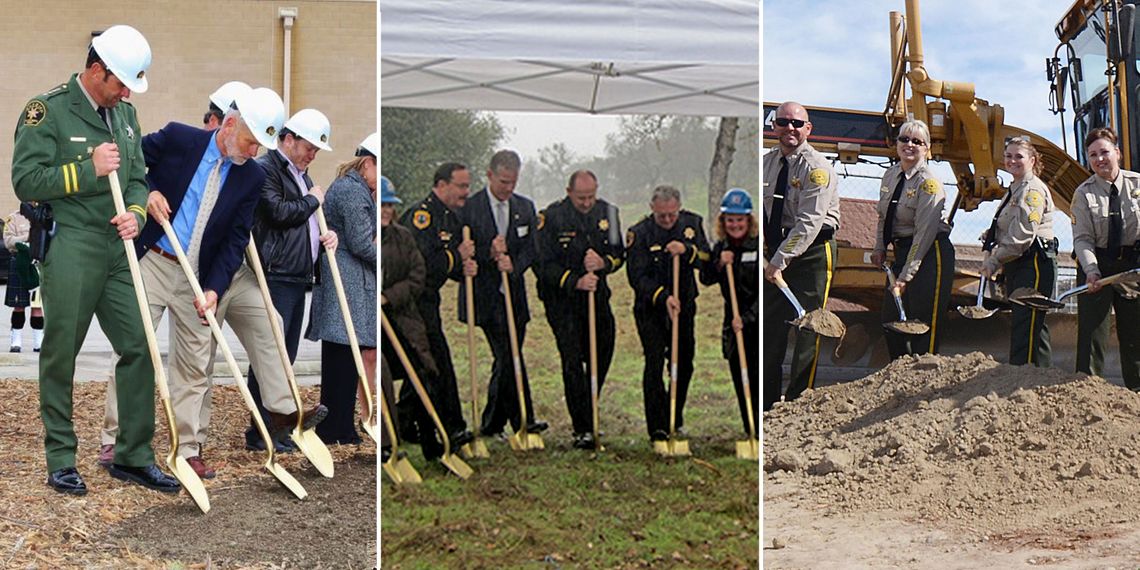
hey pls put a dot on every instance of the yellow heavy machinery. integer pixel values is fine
(969, 133)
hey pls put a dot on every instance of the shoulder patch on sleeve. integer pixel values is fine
(34, 113)
(629, 237)
(931, 186)
(819, 177)
(1033, 199)
(421, 219)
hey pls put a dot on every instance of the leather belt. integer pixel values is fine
(163, 253)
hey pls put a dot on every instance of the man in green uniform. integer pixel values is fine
(67, 142)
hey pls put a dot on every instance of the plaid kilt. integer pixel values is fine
(16, 294)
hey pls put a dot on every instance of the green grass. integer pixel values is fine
(565, 508)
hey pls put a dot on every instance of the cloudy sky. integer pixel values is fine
(837, 54)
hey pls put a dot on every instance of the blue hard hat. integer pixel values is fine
(388, 192)
(736, 201)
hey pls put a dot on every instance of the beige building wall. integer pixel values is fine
(197, 46)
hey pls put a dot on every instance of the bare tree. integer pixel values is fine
(718, 171)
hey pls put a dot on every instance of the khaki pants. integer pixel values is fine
(167, 288)
(243, 309)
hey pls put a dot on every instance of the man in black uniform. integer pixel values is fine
(579, 242)
(651, 245)
(439, 235)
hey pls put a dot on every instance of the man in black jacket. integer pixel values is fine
(503, 226)
(288, 239)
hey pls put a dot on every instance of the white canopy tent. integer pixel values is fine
(680, 57)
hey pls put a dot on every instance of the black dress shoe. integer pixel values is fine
(150, 477)
(385, 453)
(659, 435)
(536, 427)
(584, 440)
(67, 480)
(461, 438)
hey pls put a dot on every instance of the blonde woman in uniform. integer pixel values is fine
(911, 201)
(1020, 242)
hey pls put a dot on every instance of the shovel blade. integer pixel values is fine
(661, 447)
(457, 466)
(407, 473)
(370, 430)
(314, 450)
(524, 441)
(390, 470)
(475, 450)
(747, 450)
(908, 327)
(190, 481)
(286, 479)
(672, 448)
(976, 312)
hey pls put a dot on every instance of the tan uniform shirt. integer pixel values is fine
(1090, 216)
(1027, 216)
(918, 215)
(812, 200)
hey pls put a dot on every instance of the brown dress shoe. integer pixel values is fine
(204, 471)
(106, 454)
(280, 424)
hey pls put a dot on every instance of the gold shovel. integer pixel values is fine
(177, 465)
(673, 447)
(307, 441)
(271, 464)
(398, 468)
(744, 449)
(368, 417)
(476, 448)
(521, 440)
(452, 462)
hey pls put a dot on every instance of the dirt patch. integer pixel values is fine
(259, 521)
(966, 442)
(909, 327)
(975, 312)
(824, 322)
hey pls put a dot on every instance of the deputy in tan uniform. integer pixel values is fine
(1020, 242)
(1106, 226)
(911, 201)
(801, 214)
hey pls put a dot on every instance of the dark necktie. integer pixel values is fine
(889, 222)
(773, 229)
(991, 236)
(1115, 223)
(102, 113)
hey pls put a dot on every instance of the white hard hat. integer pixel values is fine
(370, 146)
(227, 93)
(311, 125)
(264, 113)
(126, 53)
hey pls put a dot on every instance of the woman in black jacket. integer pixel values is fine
(738, 247)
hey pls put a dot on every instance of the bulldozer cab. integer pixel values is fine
(1094, 69)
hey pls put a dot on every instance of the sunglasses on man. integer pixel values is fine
(795, 123)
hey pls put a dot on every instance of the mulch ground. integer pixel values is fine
(253, 523)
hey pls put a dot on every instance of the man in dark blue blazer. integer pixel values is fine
(503, 227)
(207, 185)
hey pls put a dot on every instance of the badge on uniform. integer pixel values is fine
(34, 113)
(690, 233)
(911, 193)
(931, 186)
(603, 224)
(421, 219)
(818, 177)
(795, 182)
(130, 133)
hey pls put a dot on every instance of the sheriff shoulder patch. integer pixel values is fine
(34, 113)
(1033, 198)
(818, 177)
(931, 186)
(421, 219)
(629, 237)
(690, 233)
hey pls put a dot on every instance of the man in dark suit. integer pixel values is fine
(205, 184)
(503, 226)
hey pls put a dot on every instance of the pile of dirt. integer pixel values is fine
(824, 322)
(963, 440)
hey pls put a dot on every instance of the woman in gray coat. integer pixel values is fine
(350, 209)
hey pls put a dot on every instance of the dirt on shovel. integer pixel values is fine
(975, 312)
(909, 327)
(823, 322)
